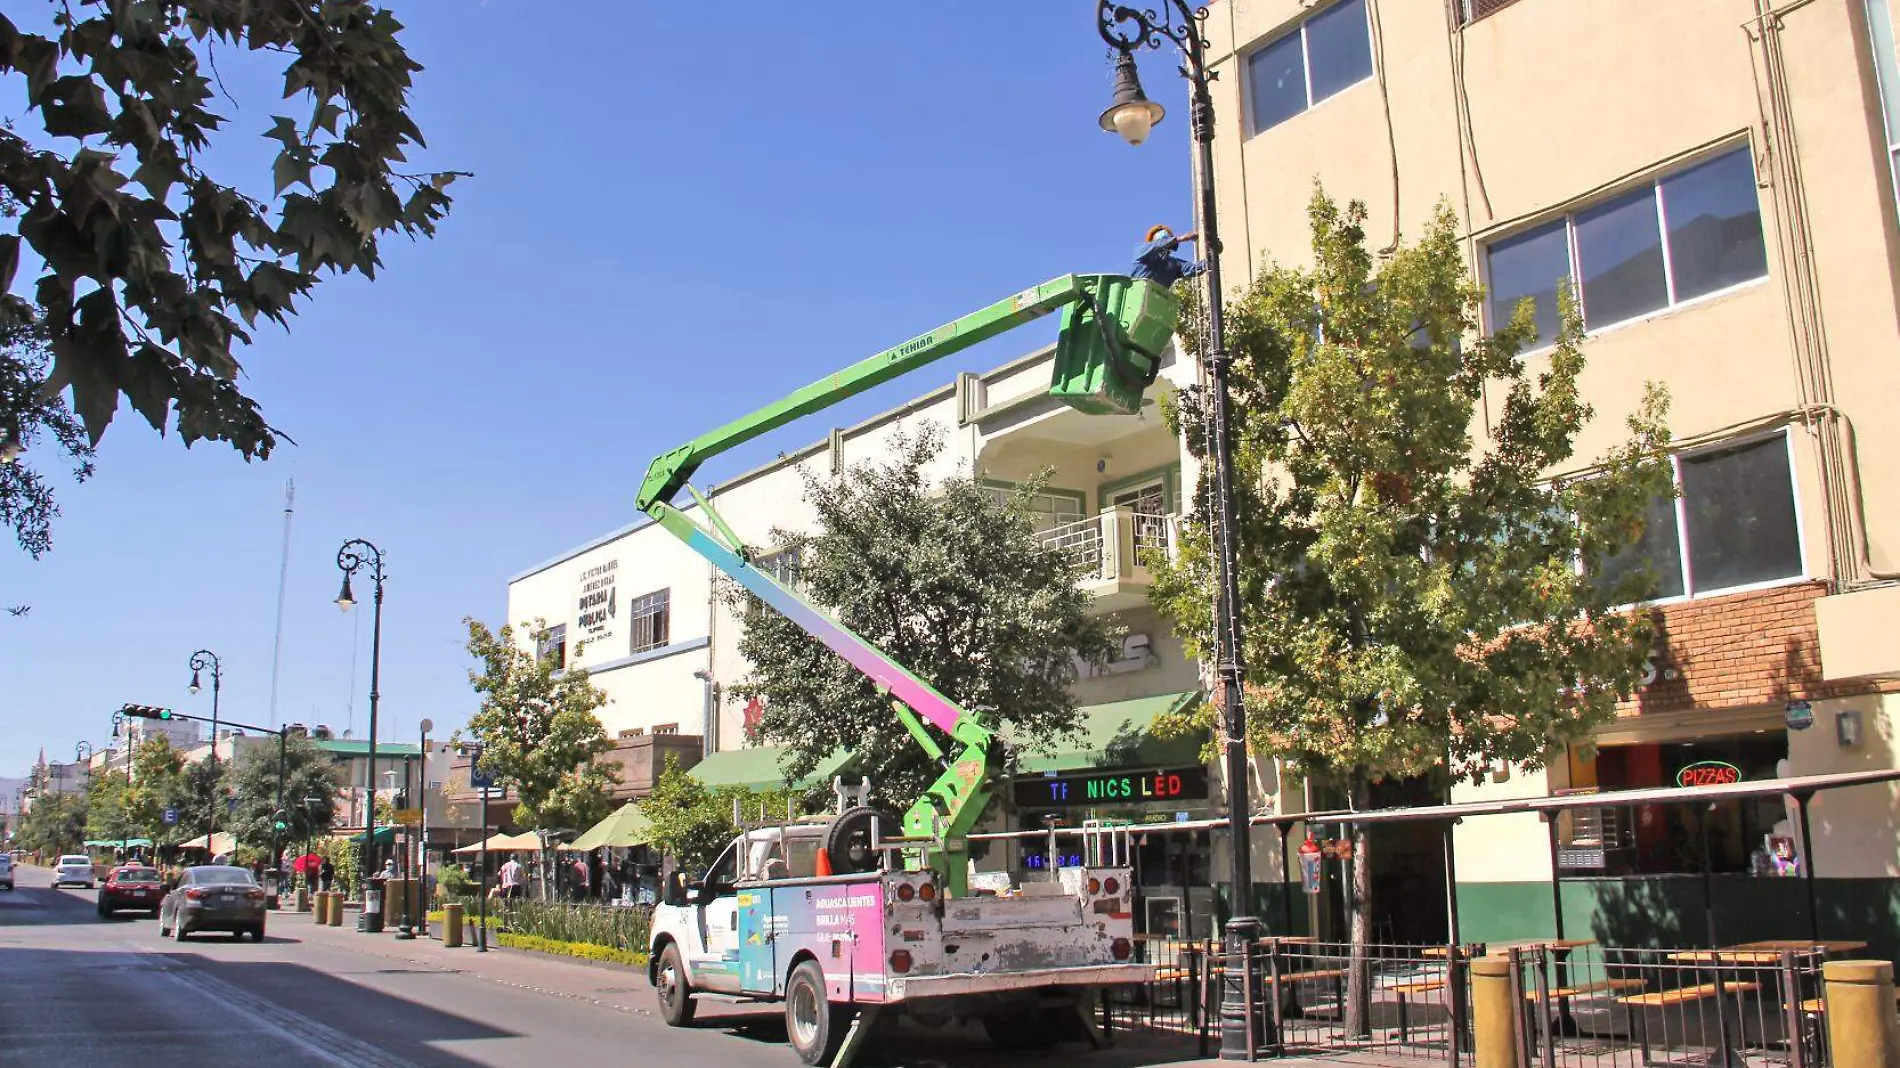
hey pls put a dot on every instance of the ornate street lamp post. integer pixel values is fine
(201, 661)
(1131, 114)
(356, 555)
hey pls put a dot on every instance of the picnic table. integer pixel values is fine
(1764, 952)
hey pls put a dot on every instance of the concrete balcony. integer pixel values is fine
(1111, 549)
(1857, 635)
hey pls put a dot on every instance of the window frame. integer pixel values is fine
(1889, 94)
(1254, 129)
(545, 642)
(1690, 591)
(635, 618)
(1567, 215)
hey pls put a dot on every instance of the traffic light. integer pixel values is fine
(146, 712)
(280, 821)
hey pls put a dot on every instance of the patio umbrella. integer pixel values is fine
(525, 842)
(625, 827)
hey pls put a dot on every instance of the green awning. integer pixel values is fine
(1116, 735)
(626, 827)
(114, 843)
(760, 768)
(384, 835)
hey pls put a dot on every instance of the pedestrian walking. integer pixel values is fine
(511, 878)
(326, 875)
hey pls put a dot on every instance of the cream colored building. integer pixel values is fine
(665, 651)
(1716, 179)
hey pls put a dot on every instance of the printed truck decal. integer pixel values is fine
(839, 924)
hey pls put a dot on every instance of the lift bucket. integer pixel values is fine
(1109, 349)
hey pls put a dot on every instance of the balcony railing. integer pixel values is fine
(1474, 10)
(1110, 547)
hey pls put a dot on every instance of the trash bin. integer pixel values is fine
(372, 918)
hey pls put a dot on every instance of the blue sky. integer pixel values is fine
(678, 212)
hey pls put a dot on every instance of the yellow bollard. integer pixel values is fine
(452, 925)
(1493, 1013)
(336, 908)
(1862, 1029)
(303, 899)
(320, 905)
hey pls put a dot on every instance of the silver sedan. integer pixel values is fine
(213, 898)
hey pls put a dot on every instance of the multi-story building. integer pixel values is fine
(1715, 180)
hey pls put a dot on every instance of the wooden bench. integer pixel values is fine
(1407, 991)
(1599, 986)
(1682, 995)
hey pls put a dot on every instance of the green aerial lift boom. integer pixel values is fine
(1108, 351)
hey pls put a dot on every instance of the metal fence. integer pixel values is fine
(1579, 1006)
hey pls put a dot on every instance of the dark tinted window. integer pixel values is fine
(1531, 264)
(137, 875)
(1276, 76)
(1620, 250)
(1339, 47)
(1740, 504)
(1657, 550)
(1715, 236)
(217, 875)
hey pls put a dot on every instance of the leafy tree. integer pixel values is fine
(55, 824)
(155, 269)
(108, 807)
(538, 732)
(692, 822)
(157, 782)
(951, 580)
(28, 416)
(201, 791)
(310, 773)
(1415, 602)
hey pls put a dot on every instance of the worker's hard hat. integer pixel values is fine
(1157, 231)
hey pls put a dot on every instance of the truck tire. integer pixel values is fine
(676, 994)
(848, 840)
(815, 1026)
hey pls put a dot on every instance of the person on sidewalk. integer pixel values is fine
(326, 875)
(511, 878)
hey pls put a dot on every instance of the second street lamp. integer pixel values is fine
(1131, 114)
(202, 660)
(358, 555)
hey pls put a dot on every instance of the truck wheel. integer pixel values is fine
(676, 995)
(815, 1025)
(1019, 1030)
(848, 841)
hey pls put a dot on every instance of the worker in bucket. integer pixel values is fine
(1155, 259)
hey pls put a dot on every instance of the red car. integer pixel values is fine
(132, 887)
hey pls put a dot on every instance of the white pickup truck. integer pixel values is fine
(762, 925)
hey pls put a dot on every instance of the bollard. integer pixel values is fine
(320, 906)
(452, 926)
(326, 906)
(336, 908)
(1862, 1029)
(303, 899)
(1493, 1013)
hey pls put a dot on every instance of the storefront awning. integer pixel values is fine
(1116, 735)
(625, 827)
(761, 768)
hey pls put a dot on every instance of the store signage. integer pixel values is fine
(1137, 653)
(1800, 715)
(1125, 787)
(1708, 773)
(598, 601)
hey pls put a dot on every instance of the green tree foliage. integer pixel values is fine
(692, 822)
(109, 809)
(55, 824)
(201, 792)
(31, 417)
(1413, 600)
(153, 268)
(311, 773)
(157, 782)
(951, 580)
(538, 731)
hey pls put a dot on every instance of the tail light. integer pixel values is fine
(928, 891)
(1113, 885)
(900, 961)
(905, 891)
(195, 894)
(1095, 886)
(256, 894)
(1121, 948)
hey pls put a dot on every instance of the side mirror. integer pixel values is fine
(700, 892)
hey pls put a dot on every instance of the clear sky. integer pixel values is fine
(678, 212)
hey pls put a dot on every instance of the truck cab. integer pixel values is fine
(700, 914)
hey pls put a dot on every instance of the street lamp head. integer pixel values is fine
(1130, 113)
(345, 599)
(428, 725)
(194, 687)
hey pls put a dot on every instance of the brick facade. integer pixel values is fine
(1745, 650)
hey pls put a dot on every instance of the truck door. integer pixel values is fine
(717, 968)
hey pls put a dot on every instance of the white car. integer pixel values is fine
(77, 870)
(6, 871)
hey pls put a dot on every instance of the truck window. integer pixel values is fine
(724, 872)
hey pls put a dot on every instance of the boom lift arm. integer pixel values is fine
(1108, 352)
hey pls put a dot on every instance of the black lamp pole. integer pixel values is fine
(1131, 114)
(357, 554)
(202, 660)
(474, 753)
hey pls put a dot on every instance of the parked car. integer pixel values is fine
(131, 887)
(6, 871)
(76, 869)
(213, 897)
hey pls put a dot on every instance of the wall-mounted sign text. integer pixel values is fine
(1112, 787)
(1708, 773)
(598, 602)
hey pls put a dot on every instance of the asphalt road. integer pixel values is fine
(79, 990)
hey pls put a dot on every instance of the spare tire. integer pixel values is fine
(848, 842)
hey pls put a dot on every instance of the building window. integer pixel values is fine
(1047, 510)
(1683, 236)
(1733, 524)
(1887, 74)
(784, 567)
(649, 616)
(552, 644)
(667, 728)
(1328, 52)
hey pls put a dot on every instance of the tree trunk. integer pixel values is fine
(1359, 971)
